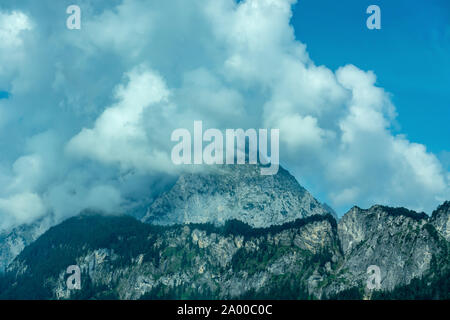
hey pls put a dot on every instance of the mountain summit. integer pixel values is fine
(234, 192)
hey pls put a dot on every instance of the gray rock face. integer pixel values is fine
(194, 258)
(441, 220)
(234, 192)
(15, 240)
(400, 242)
(314, 257)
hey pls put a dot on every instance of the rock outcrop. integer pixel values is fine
(234, 192)
(399, 241)
(12, 242)
(313, 257)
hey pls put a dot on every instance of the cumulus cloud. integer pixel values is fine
(11, 26)
(20, 208)
(119, 134)
(91, 111)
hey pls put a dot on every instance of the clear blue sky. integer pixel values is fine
(410, 56)
(4, 94)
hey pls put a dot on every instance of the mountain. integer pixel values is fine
(230, 192)
(234, 192)
(440, 219)
(313, 257)
(402, 243)
(232, 233)
(123, 258)
(12, 242)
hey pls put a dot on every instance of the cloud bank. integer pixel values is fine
(89, 114)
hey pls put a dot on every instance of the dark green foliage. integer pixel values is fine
(182, 292)
(321, 258)
(27, 288)
(284, 287)
(57, 248)
(443, 207)
(434, 285)
(419, 289)
(236, 227)
(432, 232)
(257, 260)
(355, 293)
(60, 246)
(405, 212)
(89, 291)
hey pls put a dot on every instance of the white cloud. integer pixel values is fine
(119, 134)
(373, 164)
(20, 208)
(11, 26)
(298, 131)
(79, 131)
(28, 171)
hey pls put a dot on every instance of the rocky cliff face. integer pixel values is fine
(234, 192)
(313, 257)
(400, 242)
(12, 242)
(231, 192)
(231, 233)
(194, 261)
(440, 219)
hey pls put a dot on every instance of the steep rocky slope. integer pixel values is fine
(12, 242)
(232, 233)
(123, 258)
(230, 192)
(400, 242)
(234, 192)
(313, 257)
(440, 219)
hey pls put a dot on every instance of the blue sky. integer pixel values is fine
(410, 56)
(4, 95)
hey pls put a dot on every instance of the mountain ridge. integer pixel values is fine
(234, 192)
(309, 257)
(232, 233)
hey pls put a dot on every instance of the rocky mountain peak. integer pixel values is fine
(234, 192)
(12, 242)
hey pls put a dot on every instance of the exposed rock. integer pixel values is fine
(397, 240)
(229, 233)
(12, 242)
(441, 220)
(308, 258)
(234, 192)
(223, 262)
